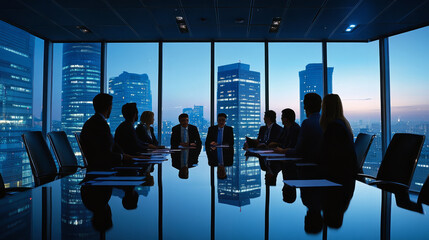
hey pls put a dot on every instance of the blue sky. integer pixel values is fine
(186, 73)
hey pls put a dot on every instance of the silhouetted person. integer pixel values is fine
(267, 134)
(125, 134)
(221, 158)
(97, 141)
(145, 131)
(185, 134)
(312, 198)
(220, 134)
(338, 156)
(185, 159)
(289, 135)
(310, 134)
(96, 200)
(130, 199)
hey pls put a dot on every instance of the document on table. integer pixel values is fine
(153, 158)
(311, 183)
(262, 151)
(153, 154)
(120, 178)
(114, 183)
(271, 155)
(284, 159)
(101, 173)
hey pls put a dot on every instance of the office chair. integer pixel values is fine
(397, 167)
(63, 151)
(362, 144)
(6, 191)
(42, 162)
(85, 162)
(424, 193)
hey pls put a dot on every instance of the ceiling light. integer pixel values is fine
(275, 24)
(83, 29)
(181, 24)
(179, 18)
(351, 27)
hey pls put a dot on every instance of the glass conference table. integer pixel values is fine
(199, 205)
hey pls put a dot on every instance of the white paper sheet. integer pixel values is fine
(311, 183)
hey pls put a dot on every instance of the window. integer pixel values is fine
(409, 82)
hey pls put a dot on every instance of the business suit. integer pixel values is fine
(98, 144)
(309, 139)
(193, 134)
(227, 155)
(186, 158)
(274, 134)
(227, 138)
(292, 136)
(143, 135)
(126, 138)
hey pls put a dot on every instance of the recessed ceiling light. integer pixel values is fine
(83, 29)
(275, 24)
(179, 18)
(351, 27)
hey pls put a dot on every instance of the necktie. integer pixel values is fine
(219, 136)
(185, 135)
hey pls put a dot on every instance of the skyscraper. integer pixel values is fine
(311, 80)
(238, 96)
(126, 88)
(16, 102)
(81, 82)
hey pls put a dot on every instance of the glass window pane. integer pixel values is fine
(132, 73)
(21, 78)
(76, 81)
(356, 79)
(186, 86)
(409, 82)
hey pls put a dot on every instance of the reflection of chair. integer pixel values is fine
(63, 152)
(362, 145)
(85, 162)
(424, 193)
(42, 162)
(397, 168)
(4, 191)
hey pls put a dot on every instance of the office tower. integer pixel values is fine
(16, 218)
(238, 96)
(16, 103)
(126, 88)
(75, 217)
(81, 82)
(311, 80)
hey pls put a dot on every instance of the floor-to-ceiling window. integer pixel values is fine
(355, 78)
(409, 82)
(21, 77)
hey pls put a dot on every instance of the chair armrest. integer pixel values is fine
(366, 176)
(387, 183)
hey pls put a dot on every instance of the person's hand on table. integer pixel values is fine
(280, 150)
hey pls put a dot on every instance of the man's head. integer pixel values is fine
(130, 112)
(288, 117)
(103, 104)
(269, 117)
(221, 120)
(312, 103)
(184, 120)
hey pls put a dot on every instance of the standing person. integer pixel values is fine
(145, 131)
(185, 134)
(220, 134)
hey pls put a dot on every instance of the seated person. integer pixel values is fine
(289, 135)
(267, 134)
(185, 134)
(220, 134)
(145, 131)
(97, 141)
(310, 134)
(125, 134)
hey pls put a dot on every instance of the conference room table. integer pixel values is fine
(202, 206)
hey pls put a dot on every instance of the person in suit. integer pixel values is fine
(338, 156)
(185, 134)
(310, 134)
(289, 136)
(125, 134)
(145, 131)
(220, 134)
(267, 134)
(97, 141)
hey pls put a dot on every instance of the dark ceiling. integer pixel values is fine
(214, 20)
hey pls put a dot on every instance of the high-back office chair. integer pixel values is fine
(424, 193)
(63, 152)
(362, 145)
(4, 191)
(85, 162)
(397, 168)
(42, 162)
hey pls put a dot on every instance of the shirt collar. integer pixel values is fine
(104, 118)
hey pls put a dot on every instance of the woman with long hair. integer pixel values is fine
(145, 130)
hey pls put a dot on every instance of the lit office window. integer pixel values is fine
(132, 75)
(294, 70)
(356, 79)
(186, 86)
(21, 77)
(76, 81)
(409, 82)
